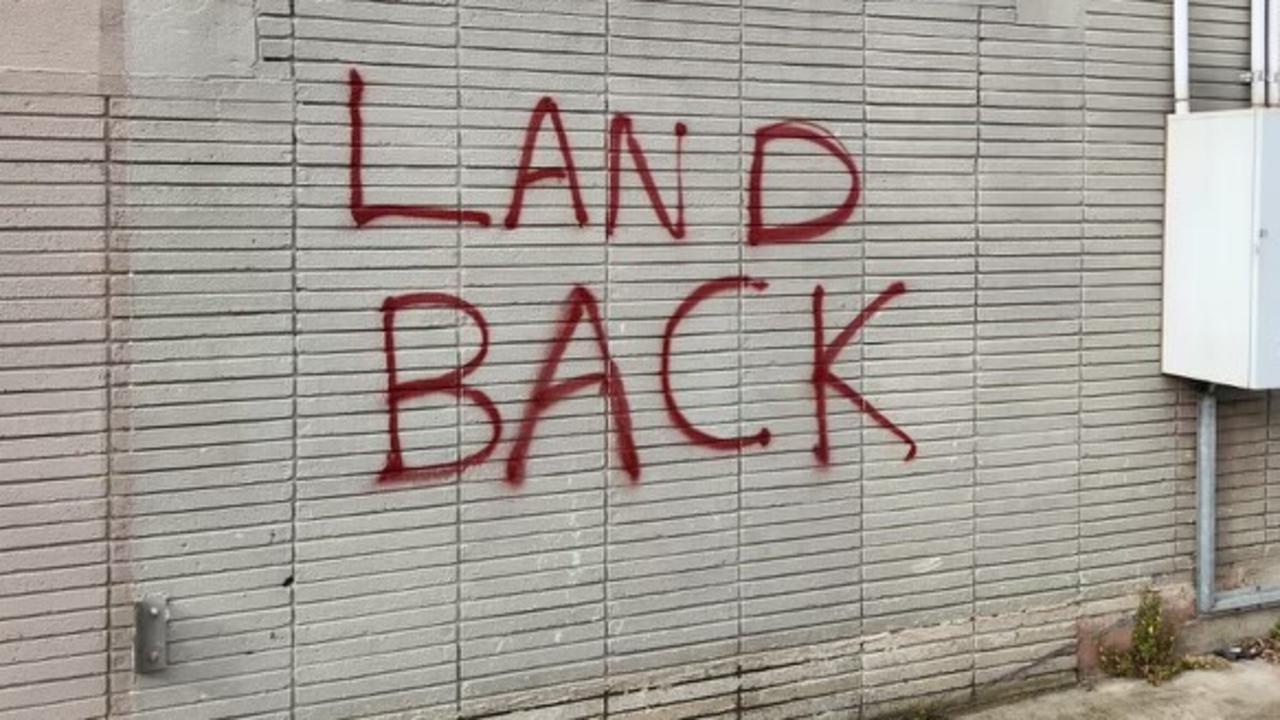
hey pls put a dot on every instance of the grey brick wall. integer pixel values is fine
(193, 394)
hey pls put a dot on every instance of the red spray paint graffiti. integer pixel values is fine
(581, 304)
(364, 214)
(451, 382)
(824, 356)
(526, 176)
(760, 234)
(677, 417)
(619, 127)
(546, 392)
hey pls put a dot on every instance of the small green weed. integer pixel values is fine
(1151, 656)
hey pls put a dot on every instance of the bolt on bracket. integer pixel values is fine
(151, 634)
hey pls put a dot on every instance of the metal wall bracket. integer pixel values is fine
(151, 634)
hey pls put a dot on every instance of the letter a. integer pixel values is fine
(526, 176)
(547, 392)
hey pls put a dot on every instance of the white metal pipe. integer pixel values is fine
(1206, 499)
(1258, 52)
(1272, 70)
(1182, 56)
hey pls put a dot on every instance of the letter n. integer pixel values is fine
(620, 133)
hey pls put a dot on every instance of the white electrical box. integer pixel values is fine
(1222, 248)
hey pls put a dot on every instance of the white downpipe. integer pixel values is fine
(1182, 56)
(1272, 70)
(1258, 51)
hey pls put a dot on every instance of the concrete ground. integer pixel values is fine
(1246, 691)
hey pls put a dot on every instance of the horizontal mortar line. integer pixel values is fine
(315, 15)
(445, 621)
(375, 82)
(81, 653)
(35, 594)
(125, 144)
